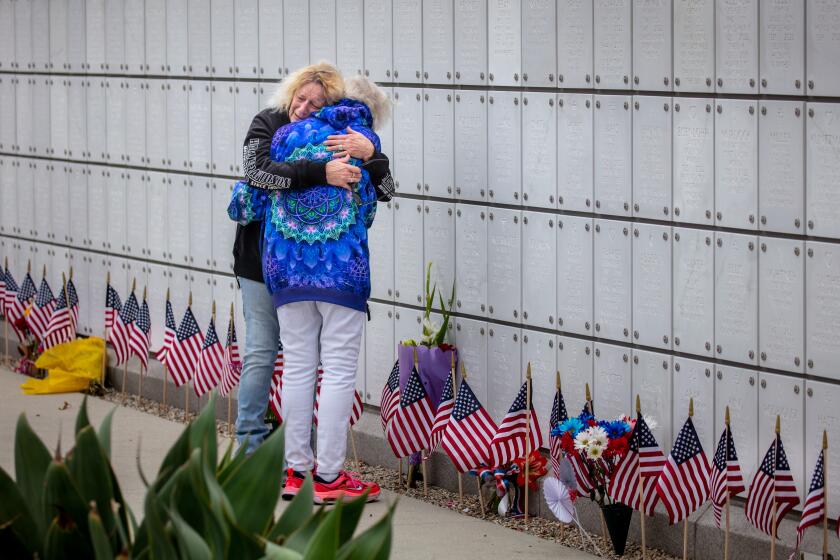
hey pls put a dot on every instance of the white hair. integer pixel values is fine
(361, 89)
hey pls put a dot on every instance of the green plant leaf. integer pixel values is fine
(190, 543)
(105, 432)
(203, 432)
(15, 517)
(324, 543)
(296, 513)
(350, 514)
(190, 497)
(244, 544)
(82, 420)
(31, 461)
(157, 538)
(225, 470)
(373, 544)
(177, 455)
(62, 499)
(65, 540)
(91, 471)
(101, 545)
(254, 488)
(299, 540)
(277, 552)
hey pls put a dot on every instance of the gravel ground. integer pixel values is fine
(390, 479)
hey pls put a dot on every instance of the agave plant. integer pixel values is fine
(198, 506)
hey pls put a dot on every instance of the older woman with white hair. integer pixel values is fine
(302, 93)
(315, 264)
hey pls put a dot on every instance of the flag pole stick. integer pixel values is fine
(353, 445)
(728, 493)
(477, 475)
(165, 383)
(143, 369)
(105, 333)
(423, 457)
(399, 480)
(590, 408)
(230, 425)
(775, 462)
(527, 436)
(5, 316)
(125, 364)
(460, 476)
(187, 384)
(641, 489)
(480, 495)
(825, 495)
(685, 521)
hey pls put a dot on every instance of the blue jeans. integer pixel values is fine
(262, 334)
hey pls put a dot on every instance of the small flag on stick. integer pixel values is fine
(726, 478)
(410, 428)
(182, 357)
(683, 485)
(509, 440)
(469, 432)
(390, 400)
(814, 511)
(168, 333)
(210, 360)
(771, 485)
(233, 361)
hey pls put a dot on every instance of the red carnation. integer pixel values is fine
(567, 443)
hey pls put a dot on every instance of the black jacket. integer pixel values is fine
(261, 172)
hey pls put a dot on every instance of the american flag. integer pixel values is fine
(443, 414)
(182, 356)
(410, 428)
(3, 289)
(139, 340)
(509, 441)
(209, 362)
(17, 310)
(645, 455)
(772, 481)
(276, 391)
(355, 411)
(65, 316)
(120, 334)
(10, 289)
(470, 430)
(726, 477)
(815, 501)
(232, 366)
(683, 485)
(41, 311)
(168, 333)
(113, 305)
(390, 399)
(558, 415)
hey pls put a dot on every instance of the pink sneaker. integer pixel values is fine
(345, 488)
(294, 480)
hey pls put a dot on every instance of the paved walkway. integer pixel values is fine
(421, 530)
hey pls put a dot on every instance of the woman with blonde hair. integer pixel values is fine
(303, 93)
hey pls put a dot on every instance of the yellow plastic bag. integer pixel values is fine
(71, 367)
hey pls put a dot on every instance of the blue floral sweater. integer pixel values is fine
(314, 244)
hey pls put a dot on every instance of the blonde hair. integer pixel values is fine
(322, 73)
(362, 89)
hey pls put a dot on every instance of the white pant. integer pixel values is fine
(304, 327)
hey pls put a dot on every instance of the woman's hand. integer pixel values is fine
(341, 174)
(355, 144)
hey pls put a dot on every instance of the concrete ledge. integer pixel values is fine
(705, 540)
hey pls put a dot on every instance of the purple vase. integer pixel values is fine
(434, 365)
